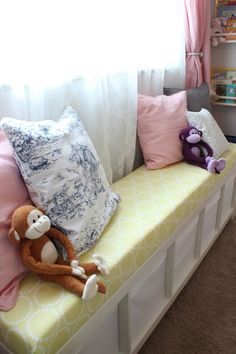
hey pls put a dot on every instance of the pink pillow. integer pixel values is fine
(13, 193)
(160, 120)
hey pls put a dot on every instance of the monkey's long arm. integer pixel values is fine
(65, 242)
(207, 147)
(90, 268)
(40, 267)
(189, 156)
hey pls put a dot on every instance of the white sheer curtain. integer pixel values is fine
(87, 54)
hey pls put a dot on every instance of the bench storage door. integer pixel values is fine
(209, 227)
(148, 301)
(184, 259)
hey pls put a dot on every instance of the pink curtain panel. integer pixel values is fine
(197, 31)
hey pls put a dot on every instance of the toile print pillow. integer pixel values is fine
(64, 175)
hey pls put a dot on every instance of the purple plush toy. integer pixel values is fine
(197, 152)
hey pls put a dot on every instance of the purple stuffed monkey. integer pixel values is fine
(197, 152)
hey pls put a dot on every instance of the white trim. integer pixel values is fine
(223, 34)
(224, 104)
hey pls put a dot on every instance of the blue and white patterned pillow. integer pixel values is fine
(64, 175)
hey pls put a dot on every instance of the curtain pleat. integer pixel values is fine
(197, 41)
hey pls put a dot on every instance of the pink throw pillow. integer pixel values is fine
(160, 120)
(13, 193)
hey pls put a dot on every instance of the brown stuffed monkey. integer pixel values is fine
(32, 230)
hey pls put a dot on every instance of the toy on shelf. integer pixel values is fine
(218, 26)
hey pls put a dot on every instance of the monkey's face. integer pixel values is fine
(38, 224)
(194, 136)
(28, 222)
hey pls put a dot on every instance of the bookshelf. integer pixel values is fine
(224, 55)
(223, 98)
(223, 104)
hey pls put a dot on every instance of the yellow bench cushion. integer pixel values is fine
(154, 203)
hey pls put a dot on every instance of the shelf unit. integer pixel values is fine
(224, 55)
(223, 43)
(229, 41)
(225, 35)
(224, 103)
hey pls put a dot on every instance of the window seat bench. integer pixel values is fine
(165, 224)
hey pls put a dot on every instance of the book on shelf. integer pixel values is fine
(230, 28)
(223, 81)
(223, 75)
(226, 9)
(231, 75)
(220, 90)
(230, 92)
